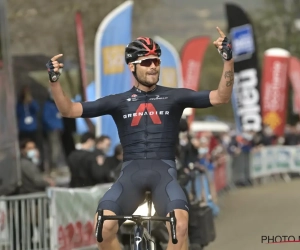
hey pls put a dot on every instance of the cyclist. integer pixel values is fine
(147, 117)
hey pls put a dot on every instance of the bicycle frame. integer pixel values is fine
(140, 232)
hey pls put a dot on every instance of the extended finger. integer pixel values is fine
(61, 65)
(220, 39)
(54, 58)
(221, 32)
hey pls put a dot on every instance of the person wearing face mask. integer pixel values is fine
(32, 179)
(200, 147)
(268, 136)
(84, 168)
(202, 150)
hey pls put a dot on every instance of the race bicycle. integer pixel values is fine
(142, 239)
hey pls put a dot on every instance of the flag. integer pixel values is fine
(294, 77)
(111, 73)
(246, 92)
(274, 92)
(170, 69)
(192, 55)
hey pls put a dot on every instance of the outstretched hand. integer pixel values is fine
(219, 41)
(224, 46)
(56, 64)
(54, 68)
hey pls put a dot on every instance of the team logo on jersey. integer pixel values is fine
(133, 98)
(157, 97)
(145, 109)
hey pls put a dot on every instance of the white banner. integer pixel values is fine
(4, 239)
(73, 212)
(274, 160)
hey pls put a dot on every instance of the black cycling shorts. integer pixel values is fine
(138, 176)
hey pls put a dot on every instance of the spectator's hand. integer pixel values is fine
(50, 181)
(200, 167)
(186, 171)
(195, 142)
(100, 160)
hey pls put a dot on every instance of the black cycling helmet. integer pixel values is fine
(142, 46)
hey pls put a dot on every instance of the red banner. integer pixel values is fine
(275, 89)
(76, 235)
(81, 53)
(192, 55)
(294, 76)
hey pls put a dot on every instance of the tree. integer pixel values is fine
(275, 27)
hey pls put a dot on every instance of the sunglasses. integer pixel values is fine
(147, 62)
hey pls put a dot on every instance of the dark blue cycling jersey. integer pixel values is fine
(147, 122)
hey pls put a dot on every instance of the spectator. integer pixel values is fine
(84, 169)
(32, 178)
(113, 164)
(32, 181)
(188, 149)
(292, 136)
(27, 109)
(225, 140)
(257, 140)
(103, 144)
(268, 138)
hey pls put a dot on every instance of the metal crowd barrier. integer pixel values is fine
(229, 173)
(25, 222)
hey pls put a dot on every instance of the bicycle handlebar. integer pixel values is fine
(101, 218)
(173, 227)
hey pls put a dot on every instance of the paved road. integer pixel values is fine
(248, 213)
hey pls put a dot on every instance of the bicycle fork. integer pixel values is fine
(139, 234)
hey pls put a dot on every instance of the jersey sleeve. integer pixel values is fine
(102, 106)
(188, 98)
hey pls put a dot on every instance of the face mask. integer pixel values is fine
(32, 155)
(106, 150)
(248, 137)
(226, 139)
(268, 131)
(202, 151)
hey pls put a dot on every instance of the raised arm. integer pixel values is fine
(66, 107)
(223, 93)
